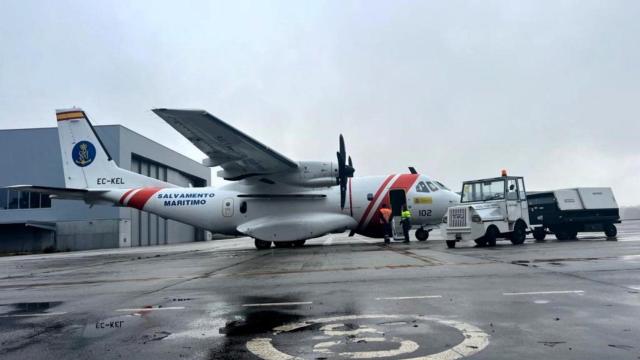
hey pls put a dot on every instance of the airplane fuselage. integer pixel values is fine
(222, 210)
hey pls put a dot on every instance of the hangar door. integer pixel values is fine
(149, 229)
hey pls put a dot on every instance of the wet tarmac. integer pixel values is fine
(336, 298)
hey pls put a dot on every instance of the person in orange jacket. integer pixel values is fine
(385, 220)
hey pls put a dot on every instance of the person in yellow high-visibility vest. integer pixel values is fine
(405, 220)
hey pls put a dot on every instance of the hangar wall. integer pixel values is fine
(30, 222)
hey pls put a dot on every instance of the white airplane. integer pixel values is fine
(270, 198)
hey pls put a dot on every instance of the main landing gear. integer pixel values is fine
(263, 245)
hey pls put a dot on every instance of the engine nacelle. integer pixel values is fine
(312, 174)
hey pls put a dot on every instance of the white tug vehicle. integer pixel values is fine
(489, 209)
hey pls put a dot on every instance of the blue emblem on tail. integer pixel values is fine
(83, 153)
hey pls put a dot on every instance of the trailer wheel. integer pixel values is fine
(519, 233)
(422, 234)
(451, 244)
(299, 243)
(261, 244)
(610, 230)
(539, 234)
(573, 234)
(561, 234)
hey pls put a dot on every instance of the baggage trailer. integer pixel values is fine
(567, 212)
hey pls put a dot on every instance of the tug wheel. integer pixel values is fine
(519, 233)
(491, 236)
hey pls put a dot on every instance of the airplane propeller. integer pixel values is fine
(345, 171)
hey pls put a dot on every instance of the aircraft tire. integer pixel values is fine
(451, 244)
(422, 235)
(261, 244)
(283, 244)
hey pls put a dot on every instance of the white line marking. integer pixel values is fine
(153, 309)
(262, 348)
(280, 304)
(474, 339)
(545, 292)
(411, 297)
(37, 314)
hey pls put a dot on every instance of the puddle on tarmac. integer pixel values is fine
(241, 325)
(352, 333)
(27, 307)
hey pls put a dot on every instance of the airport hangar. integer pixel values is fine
(30, 222)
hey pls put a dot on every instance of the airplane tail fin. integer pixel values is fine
(85, 160)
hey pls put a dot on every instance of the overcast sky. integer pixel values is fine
(459, 89)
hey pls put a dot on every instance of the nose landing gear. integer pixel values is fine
(422, 234)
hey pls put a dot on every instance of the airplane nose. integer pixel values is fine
(453, 198)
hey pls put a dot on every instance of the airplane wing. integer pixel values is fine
(296, 227)
(238, 154)
(61, 193)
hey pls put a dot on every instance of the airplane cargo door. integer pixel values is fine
(398, 199)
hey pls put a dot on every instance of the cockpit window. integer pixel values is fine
(422, 187)
(431, 186)
(442, 186)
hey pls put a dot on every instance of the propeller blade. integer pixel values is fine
(345, 171)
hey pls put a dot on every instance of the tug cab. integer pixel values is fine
(489, 209)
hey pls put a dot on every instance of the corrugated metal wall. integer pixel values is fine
(149, 229)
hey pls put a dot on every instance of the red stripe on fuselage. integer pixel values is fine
(368, 209)
(125, 196)
(139, 199)
(404, 182)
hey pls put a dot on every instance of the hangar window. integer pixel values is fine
(10, 199)
(243, 207)
(422, 187)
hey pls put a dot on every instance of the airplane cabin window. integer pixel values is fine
(243, 207)
(422, 187)
(432, 186)
(442, 186)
